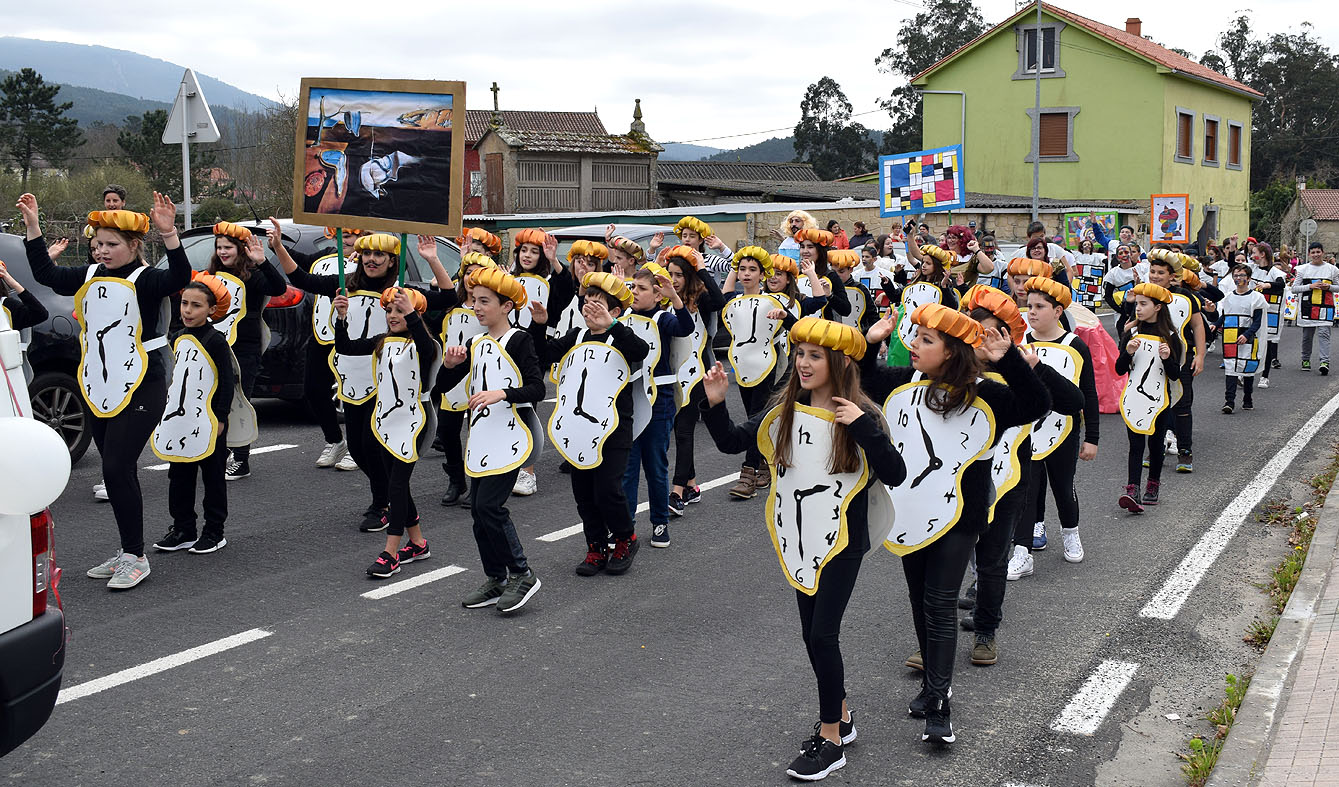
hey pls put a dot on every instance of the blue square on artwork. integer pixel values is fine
(899, 173)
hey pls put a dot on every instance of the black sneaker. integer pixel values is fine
(1325, 369)
(485, 595)
(620, 559)
(596, 559)
(209, 542)
(847, 730)
(175, 540)
(918, 707)
(411, 552)
(968, 622)
(375, 520)
(1248, 405)
(938, 727)
(454, 490)
(237, 470)
(676, 504)
(1227, 408)
(1276, 364)
(692, 494)
(818, 757)
(386, 565)
(968, 600)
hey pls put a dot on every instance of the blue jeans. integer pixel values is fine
(651, 451)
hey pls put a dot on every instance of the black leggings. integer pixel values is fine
(1271, 355)
(599, 496)
(403, 512)
(995, 547)
(248, 362)
(1059, 467)
(755, 399)
(366, 451)
(1184, 422)
(1153, 444)
(934, 577)
(685, 424)
(318, 390)
(120, 439)
(821, 625)
(181, 491)
(449, 424)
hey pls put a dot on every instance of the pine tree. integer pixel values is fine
(32, 124)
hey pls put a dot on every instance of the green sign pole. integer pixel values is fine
(339, 251)
(404, 242)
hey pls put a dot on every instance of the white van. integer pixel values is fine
(32, 626)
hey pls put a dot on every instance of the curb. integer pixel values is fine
(1246, 750)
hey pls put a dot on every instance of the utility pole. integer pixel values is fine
(1036, 122)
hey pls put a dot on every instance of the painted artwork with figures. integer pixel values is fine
(926, 181)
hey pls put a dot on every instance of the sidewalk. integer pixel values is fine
(1287, 730)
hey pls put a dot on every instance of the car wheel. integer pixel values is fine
(58, 404)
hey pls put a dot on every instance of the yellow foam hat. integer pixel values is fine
(416, 298)
(610, 284)
(500, 282)
(943, 255)
(530, 235)
(230, 230)
(1154, 291)
(684, 253)
(124, 220)
(815, 236)
(378, 241)
(475, 258)
(587, 248)
(783, 264)
(954, 323)
(843, 258)
(1051, 287)
(830, 334)
(1026, 266)
(758, 254)
(692, 223)
(490, 241)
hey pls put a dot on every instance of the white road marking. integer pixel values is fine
(262, 450)
(410, 584)
(1085, 712)
(559, 535)
(160, 665)
(1177, 589)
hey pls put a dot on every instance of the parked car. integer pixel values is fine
(641, 233)
(34, 469)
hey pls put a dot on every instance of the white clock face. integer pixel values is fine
(458, 328)
(914, 296)
(188, 427)
(859, 305)
(752, 350)
(802, 284)
(937, 451)
(1146, 392)
(323, 308)
(590, 378)
(113, 360)
(644, 397)
(1006, 469)
(806, 508)
(686, 359)
(536, 291)
(236, 308)
(498, 440)
(398, 416)
(1179, 310)
(367, 320)
(1052, 429)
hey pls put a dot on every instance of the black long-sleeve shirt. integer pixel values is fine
(628, 343)
(152, 286)
(216, 346)
(327, 285)
(885, 463)
(521, 348)
(24, 309)
(264, 283)
(838, 303)
(418, 331)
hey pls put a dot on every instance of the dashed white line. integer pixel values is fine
(262, 450)
(1085, 712)
(160, 665)
(559, 535)
(413, 582)
(1177, 589)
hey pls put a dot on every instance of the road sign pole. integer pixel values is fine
(186, 177)
(190, 119)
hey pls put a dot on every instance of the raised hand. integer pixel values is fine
(427, 247)
(27, 206)
(657, 240)
(255, 252)
(881, 329)
(715, 384)
(163, 215)
(847, 412)
(597, 315)
(1029, 355)
(994, 346)
(54, 250)
(401, 301)
(551, 247)
(714, 242)
(454, 356)
(275, 237)
(539, 313)
(609, 233)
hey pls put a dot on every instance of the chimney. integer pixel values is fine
(1301, 183)
(1134, 27)
(638, 127)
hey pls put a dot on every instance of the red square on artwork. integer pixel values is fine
(928, 161)
(944, 191)
(916, 194)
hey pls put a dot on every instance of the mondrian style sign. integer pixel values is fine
(1318, 304)
(1244, 358)
(1088, 284)
(927, 181)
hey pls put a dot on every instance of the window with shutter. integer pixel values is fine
(1185, 126)
(1210, 141)
(1054, 134)
(1234, 145)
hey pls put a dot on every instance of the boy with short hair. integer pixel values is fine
(1242, 314)
(1316, 282)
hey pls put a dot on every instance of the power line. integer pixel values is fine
(755, 133)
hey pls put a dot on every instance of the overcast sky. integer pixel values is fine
(711, 70)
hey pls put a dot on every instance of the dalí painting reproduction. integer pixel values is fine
(380, 154)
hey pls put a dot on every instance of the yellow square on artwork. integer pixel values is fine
(915, 166)
(939, 158)
(928, 198)
(888, 201)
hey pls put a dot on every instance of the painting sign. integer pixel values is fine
(1076, 224)
(927, 181)
(380, 154)
(1171, 219)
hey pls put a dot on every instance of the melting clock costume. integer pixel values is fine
(838, 305)
(753, 357)
(1151, 390)
(121, 376)
(688, 358)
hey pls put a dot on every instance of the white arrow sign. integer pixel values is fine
(190, 119)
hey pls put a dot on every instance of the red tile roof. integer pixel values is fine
(1140, 46)
(1323, 203)
(476, 122)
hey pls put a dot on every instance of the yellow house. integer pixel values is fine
(1121, 118)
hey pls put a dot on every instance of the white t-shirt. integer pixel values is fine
(1053, 252)
(1141, 271)
(1302, 279)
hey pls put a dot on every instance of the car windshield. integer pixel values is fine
(199, 248)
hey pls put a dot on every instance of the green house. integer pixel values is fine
(1122, 118)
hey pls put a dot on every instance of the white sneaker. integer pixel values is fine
(100, 491)
(1169, 443)
(1073, 545)
(332, 454)
(526, 484)
(346, 462)
(1020, 564)
(1264, 383)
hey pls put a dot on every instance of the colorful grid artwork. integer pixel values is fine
(927, 181)
(1088, 284)
(1240, 358)
(1318, 304)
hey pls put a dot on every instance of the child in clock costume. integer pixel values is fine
(1151, 357)
(945, 421)
(815, 245)
(193, 432)
(401, 417)
(753, 350)
(501, 371)
(830, 460)
(864, 311)
(592, 423)
(121, 305)
(1241, 315)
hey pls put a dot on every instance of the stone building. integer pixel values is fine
(1322, 205)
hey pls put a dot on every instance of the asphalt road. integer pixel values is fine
(688, 670)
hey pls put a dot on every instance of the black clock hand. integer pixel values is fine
(102, 348)
(181, 402)
(581, 397)
(754, 326)
(935, 462)
(1144, 379)
(800, 495)
(367, 321)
